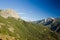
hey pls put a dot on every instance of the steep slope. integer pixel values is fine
(20, 30)
(12, 29)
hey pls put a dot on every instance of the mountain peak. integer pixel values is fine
(9, 13)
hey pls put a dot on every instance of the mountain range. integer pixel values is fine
(45, 21)
(12, 27)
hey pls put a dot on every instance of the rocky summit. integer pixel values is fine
(8, 13)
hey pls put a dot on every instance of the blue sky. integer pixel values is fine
(33, 9)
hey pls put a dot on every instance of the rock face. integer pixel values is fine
(49, 21)
(9, 13)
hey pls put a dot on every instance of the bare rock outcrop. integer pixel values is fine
(9, 13)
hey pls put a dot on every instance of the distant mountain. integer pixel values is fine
(12, 29)
(53, 22)
(47, 21)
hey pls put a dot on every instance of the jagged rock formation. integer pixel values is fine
(8, 13)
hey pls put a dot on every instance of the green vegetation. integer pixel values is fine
(26, 31)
